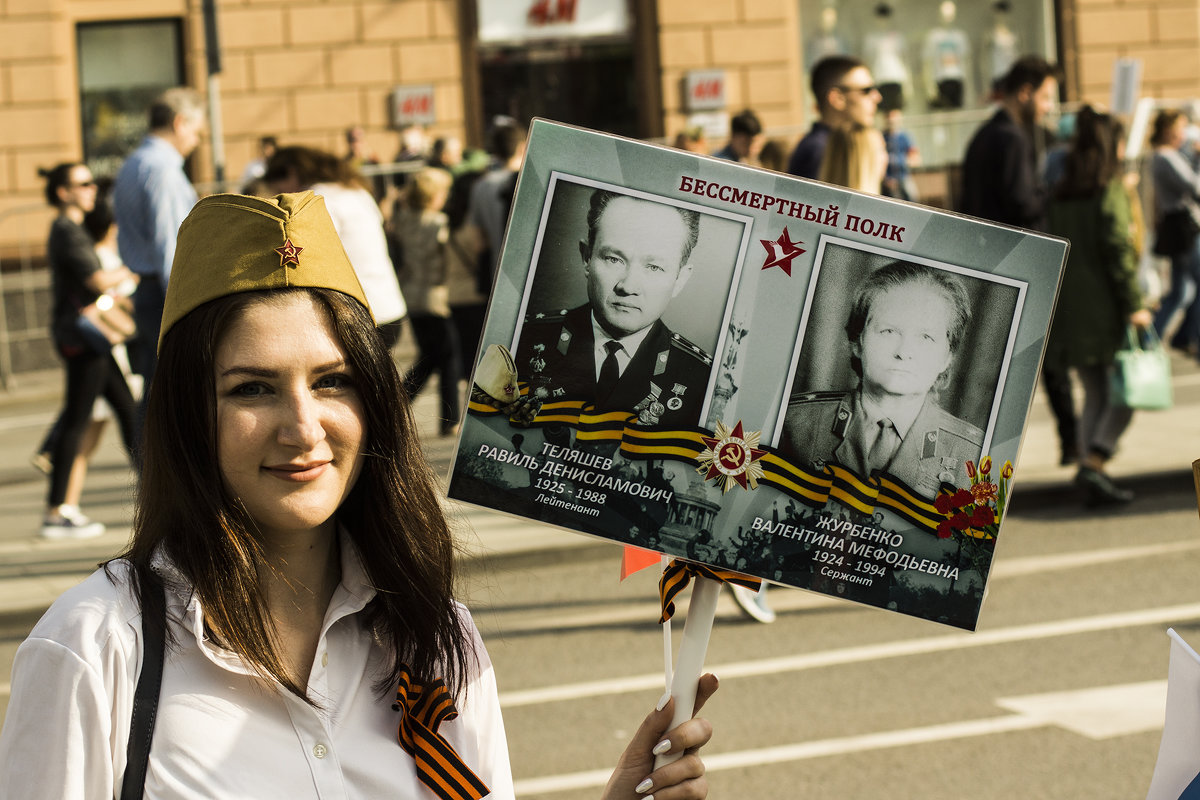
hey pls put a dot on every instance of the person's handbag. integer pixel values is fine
(111, 317)
(1141, 375)
(1176, 231)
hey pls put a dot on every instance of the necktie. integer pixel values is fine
(884, 447)
(610, 372)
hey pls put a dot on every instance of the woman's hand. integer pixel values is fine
(1142, 318)
(635, 777)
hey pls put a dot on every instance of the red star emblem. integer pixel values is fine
(289, 254)
(733, 456)
(781, 251)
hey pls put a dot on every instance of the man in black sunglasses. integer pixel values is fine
(846, 94)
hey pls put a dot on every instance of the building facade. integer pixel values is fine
(75, 75)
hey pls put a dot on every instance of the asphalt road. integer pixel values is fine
(1059, 694)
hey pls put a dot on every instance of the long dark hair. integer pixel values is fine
(1092, 159)
(311, 166)
(392, 515)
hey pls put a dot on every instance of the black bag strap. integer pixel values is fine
(145, 696)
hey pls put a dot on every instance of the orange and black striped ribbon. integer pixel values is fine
(423, 707)
(813, 489)
(679, 574)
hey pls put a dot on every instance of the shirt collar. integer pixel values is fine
(352, 594)
(902, 417)
(163, 149)
(629, 343)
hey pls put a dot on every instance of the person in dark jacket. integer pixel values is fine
(846, 95)
(83, 291)
(1000, 182)
(1099, 296)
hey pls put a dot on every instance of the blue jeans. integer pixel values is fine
(1185, 278)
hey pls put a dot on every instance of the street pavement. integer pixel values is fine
(1059, 695)
(1156, 453)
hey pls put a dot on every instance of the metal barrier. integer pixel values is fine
(25, 296)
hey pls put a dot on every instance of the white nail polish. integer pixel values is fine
(661, 747)
(662, 702)
(644, 786)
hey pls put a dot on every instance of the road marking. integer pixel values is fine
(1032, 565)
(800, 751)
(490, 620)
(1102, 712)
(862, 653)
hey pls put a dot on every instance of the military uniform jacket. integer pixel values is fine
(935, 449)
(664, 383)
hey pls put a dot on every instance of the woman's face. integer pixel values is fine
(1178, 132)
(290, 422)
(80, 191)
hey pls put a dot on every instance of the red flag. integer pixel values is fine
(635, 559)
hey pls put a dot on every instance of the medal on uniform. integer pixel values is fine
(649, 410)
(676, 400)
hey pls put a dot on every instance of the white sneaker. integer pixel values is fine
(75, 526)
(754, 604)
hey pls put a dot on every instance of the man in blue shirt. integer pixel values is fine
(151, 196)
(846, 94)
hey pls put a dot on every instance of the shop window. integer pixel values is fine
(934, 60)
(564, 60)
(123, 66)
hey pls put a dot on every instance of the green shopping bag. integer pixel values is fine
(1141, 376)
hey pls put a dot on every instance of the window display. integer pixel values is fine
(935, 60)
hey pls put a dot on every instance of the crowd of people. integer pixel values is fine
(423, 241)
(266, 339)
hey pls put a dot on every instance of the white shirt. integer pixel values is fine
(629, 345)
(359, 224)
(222, 732)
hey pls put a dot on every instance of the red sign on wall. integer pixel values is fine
(548, 12)
(412, 105)
(704, 90)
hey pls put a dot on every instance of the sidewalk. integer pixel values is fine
(1156, 457)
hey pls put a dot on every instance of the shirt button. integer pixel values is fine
(320, 750)
(324, 659)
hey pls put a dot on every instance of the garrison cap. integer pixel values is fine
(233, 243)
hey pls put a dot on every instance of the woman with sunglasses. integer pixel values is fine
(78, 282)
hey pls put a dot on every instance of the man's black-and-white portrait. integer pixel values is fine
(899, 368)
(628, 301)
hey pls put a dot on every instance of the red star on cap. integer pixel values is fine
(781, 252)
(289, 254)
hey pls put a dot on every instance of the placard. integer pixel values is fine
(776, 376)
